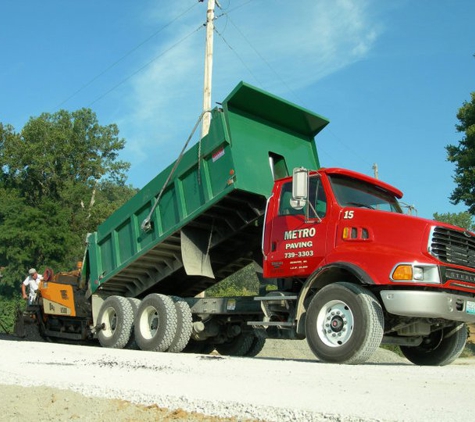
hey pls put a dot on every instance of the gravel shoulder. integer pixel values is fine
(51, 382)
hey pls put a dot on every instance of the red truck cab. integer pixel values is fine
(334, 234)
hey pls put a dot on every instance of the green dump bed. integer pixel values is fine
(208, 222)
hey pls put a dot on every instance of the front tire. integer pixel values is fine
(344, 324)
(116, 317)
(440, 348)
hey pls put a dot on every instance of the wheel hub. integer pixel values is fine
(335, 323)
(149, 322)
(110, 322)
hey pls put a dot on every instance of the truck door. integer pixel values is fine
(296, 238)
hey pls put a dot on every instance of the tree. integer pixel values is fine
(242, 283)
(461, 219)
(464, 156)
(56, 149)
(60, 177)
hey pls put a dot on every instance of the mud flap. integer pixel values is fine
(195, 253)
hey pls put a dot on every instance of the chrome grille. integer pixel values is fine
(452, 246)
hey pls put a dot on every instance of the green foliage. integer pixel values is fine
(60, 177)
(241, 283)
(463, 155)
(244, 282)
(8, 311)
(461, 219)
(58, 148)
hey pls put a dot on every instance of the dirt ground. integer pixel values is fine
(50, 404)
(471, 337)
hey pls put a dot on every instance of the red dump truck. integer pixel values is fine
(351, 270)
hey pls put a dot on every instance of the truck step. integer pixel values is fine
(270, 324)
(268, 298)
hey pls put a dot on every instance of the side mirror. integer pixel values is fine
(299, 188)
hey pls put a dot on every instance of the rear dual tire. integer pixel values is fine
(156, 323)
(245, 344)
(184, 325)
(116, 318)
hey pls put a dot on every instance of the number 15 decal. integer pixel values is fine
(348, 215)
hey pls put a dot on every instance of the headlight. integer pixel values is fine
(422, 273)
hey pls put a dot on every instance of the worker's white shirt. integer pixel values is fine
(33, 283)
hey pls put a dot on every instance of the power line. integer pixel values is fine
(91, 81)
(146, 65)
(286, 85)
(255, 50)
(226, 13)
(233, 9)
(239, 57)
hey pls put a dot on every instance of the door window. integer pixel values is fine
(317, 201)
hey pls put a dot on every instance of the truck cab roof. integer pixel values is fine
(363, 177)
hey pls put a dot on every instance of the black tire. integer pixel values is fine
(237, 346)
(117, 317)
(440, 348)
(344, 324)
(135, 303)
(198, 347)
(257, 345)
(184, 325)
(156, 323)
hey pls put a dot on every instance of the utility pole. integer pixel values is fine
(208, 68)
(375, 169)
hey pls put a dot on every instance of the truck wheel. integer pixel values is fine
(257, 345)
(184, 325)
(135, 303)
(440, 348)
(198, 347)
(156, 323)
(117, 317)
(237, 346)
(344, 324)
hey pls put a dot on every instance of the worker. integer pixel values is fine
(33, 281)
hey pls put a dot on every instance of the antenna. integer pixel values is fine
(375, 169)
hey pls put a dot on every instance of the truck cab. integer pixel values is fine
(337, 233)
(298, 238)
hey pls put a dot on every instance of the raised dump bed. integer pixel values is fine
(208, 221)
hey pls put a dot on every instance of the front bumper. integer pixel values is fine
(422, 304)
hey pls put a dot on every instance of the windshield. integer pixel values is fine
(356, 193)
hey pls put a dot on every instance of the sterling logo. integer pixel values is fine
(456, 275)
(467, 233)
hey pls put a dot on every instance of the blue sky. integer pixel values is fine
(389, 75)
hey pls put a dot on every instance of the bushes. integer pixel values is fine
(242, 283)
(8, 311)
